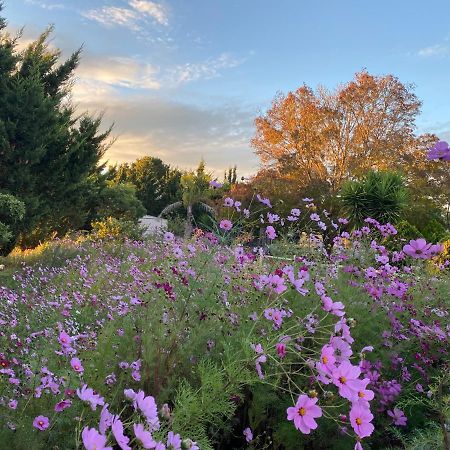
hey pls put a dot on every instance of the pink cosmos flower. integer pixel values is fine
(148, 407)
(62, 405)
(117, 430)
(106, 419)
(76, 365)
(41, 423)
(360, 418)
(173, 441)
(345, 377)
(93, 440)
(12, 404)
(398, 417)
(335, 308)
(327, 363)
(87, 394)
(271, 233)
(304, 413)
(364, 395)
(226, 225)
(64, 339)
(418, 249)
(145, 437)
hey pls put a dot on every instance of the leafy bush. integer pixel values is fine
(116, 228)
(12, 212)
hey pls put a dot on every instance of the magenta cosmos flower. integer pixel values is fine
(360, 418)
(226, 224)
(418, 248)
(93, 440)
(62, 405)
(41, 423)
(304, 413)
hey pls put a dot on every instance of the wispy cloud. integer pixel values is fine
(132, 17)
(100, 74)
(45, 5)
(119, 72)
(437, 50)
(208, 69)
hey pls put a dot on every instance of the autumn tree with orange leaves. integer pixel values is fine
(327, 136)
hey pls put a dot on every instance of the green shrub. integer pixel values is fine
(116, 228)
(434, 231)
(12, 212)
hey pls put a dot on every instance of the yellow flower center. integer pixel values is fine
(302, 411)
(361, 394)
(358, 421)
(342, 380)
(324, 359)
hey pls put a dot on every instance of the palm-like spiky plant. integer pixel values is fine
(379, 195)
(195, 192)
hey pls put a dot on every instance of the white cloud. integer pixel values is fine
(132, 17)
(152, 9)
(208, 69)
(434, 50)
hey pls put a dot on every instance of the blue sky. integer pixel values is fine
(184, 79)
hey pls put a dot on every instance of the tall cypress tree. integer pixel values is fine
(49, 156)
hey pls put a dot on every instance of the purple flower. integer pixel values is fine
(215, 184)
(264, 201)
(117, 429)
(440, 150)
(93, 440)
(12, 404)
(418, 249)
(226, 225)
(76, 365)
(41, 423)
(248, 434)
(145, 437)
(271, 233)
(87, 394)
(173, 441)
(106, 419)
(398, 417)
